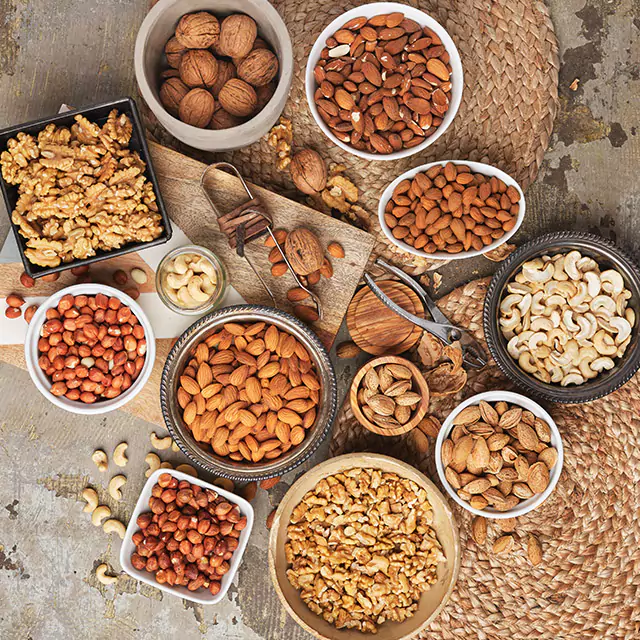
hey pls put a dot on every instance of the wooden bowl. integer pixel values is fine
(422, 389)
(444, 524)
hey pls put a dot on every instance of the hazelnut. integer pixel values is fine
(308, 171)
(197, 108)
(238, 98)
(174, 51)
(198, 68)
(259, 67)
(172, 92)
(198, 30)
(226, 71)
(237, 35)
(223, 119)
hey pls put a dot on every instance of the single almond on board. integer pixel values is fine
(479, 530)
(503, 545)
(534, 550)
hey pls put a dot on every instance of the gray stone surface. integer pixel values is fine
(81, 52)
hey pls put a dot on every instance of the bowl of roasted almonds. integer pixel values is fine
(499, 454)
(451, 209)
(389, 395)
(364, 543)
(384, 81)
(560, 317)
(248, 392)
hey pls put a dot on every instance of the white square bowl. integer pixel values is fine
(202, 596)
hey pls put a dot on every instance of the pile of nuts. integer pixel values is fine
(361, 548)
(80, 190)
(250, 391)
(188, 537)
(387, 395)
(189, 280)
(383, 83)
(220, 73)
(91, 347)
(450, 208)
(566, 321)
(498, 455)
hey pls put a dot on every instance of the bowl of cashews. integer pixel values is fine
(191, 280)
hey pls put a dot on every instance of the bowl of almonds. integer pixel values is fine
(451, 209)
(389, 395)
(384, 81)
(499, 454)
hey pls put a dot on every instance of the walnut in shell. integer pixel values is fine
(226, 71)
(174, 52)
(198, 30)
(197, 108)
(264, 94)
(172, 92)
(198, 68)
(223, 119)
(259, 67)
(237, 35)
(304, 251)
(309, 171)
(238, 98)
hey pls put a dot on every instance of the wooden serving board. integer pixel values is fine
(179, 179)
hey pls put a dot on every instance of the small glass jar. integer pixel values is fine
(183, 283)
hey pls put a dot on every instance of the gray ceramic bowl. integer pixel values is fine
(607, 255)
(201, 454)
(160, 25)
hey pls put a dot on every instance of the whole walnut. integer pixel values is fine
(259, 67)
(172, 92)
(237, 35)
(308, 171)
(198, 68)
(265, 93)
(223, 119)
(238, 98)
(197, 108)
(226, 71)
(304, 251)
(198, 30)
(174, 51)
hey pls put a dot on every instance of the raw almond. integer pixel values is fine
(348, 350)
(534, 550)
(538, 478)
(479, 530)
(335, 250)
(382, 404)
(467, 416)
(503, 545)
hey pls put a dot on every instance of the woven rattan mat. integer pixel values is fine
(509, 55)
(588, 585)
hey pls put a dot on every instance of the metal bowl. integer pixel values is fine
(200, 453)
(607, 255)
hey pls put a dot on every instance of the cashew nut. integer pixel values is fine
(622, 328)
(114, 526)
(180, 264)
(189, 280)
(91, 497)
(100, 458)
(593, 283)
(175, 447)
(604, 343)
(572, 378)
(603, 363)
(612, 281)
(119, 456)
(99, 514)
(114, 486)
(160, 443)
(570, 265)
(176, 281)
(103, 578)
(154, 463)
(188, 469)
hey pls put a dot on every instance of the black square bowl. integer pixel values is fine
(97, 114)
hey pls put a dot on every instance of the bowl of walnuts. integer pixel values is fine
(207, 70)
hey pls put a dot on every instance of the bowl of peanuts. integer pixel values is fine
(89, 348)
(451, 209)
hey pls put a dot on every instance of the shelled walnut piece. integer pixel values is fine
(498, 455)
(361, 548)
(250, 391)
(188, 537)
(80, 190)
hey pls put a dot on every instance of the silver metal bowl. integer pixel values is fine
(201, 454)
(607, 255)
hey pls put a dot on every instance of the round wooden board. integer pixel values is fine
(378, 330)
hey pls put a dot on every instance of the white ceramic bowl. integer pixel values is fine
(202, 596)
(159, 26)
(423, 19)
(42, 381)
(526, 403)
(476, 167)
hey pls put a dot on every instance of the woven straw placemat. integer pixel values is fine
(509, 55)
(588, 584)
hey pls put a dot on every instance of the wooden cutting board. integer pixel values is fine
(179, 179)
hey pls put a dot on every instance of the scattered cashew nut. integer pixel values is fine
(100, 458)
(114, 526)
(99, 514)
(91, 497)
(114, 486)
(119, 456)
(160, 443)
(103, 578)
(188, 469)
(175, 447)
(154, 463)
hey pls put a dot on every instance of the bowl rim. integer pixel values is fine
(38, 377)
(275, 467)
(127, 547)
(426, 20)
(478, 167)
(212, 136)
(374, 460)
(553, 242)
(526, 403)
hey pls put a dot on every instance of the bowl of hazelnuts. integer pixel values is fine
(215, 73)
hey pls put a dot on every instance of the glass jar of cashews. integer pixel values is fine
(191, 280)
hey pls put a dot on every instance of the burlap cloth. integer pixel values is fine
(509, 55)
(588, 585)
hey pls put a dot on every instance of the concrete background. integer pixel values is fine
(81, 52)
